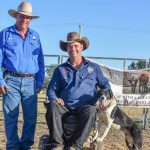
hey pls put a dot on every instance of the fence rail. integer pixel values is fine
(61, 58)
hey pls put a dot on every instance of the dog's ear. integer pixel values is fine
(99, 92)
(109, 94)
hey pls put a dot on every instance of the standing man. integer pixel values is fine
(72, 90)
(22, 75)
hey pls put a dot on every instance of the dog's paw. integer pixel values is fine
(100, 139)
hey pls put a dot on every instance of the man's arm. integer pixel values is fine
(54, 86)
(40, 75)
(103, 83)
(3, 86)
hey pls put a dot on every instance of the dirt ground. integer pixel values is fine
(115, 139)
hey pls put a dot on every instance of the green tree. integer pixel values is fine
(132, 66)
(49, 73)
(50, 70)
(141, 64)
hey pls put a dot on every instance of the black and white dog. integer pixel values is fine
(115, 117)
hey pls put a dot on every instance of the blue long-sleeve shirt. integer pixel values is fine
(21, 55)
(76, 87)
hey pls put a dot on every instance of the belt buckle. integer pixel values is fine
(21, 74)
(25, 75)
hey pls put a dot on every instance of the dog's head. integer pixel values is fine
(104, 94)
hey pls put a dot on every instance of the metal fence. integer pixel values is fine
(122, 63)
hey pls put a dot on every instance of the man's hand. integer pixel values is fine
(60, 101)
(3, 89)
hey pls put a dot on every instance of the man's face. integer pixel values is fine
(22, 21)
(74, 49)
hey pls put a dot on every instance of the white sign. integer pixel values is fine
(130, 87)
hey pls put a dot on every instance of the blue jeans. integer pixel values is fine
(20, 89)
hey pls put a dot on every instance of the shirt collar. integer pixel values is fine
(85, 61)
(14, 29)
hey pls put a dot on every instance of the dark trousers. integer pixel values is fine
(86, 116)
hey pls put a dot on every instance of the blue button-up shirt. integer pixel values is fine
(21, 55)
(76, 87)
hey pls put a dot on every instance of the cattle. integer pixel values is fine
(133, 82)
(143, 82)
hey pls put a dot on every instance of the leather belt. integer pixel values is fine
(15, 74)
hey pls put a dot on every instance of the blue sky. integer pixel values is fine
(115, 28)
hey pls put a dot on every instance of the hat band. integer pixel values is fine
(25, 12)
(74, 40)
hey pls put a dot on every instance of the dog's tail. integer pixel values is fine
(134, 138)
(137, 137)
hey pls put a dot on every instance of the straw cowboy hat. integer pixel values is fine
(24, 8)
(74, 37)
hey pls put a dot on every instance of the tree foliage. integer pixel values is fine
(49, 73)
(50, 70)
(137, 65)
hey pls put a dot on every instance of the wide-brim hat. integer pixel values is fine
(74, 37)
(24, 8)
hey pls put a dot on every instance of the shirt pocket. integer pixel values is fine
(10, 48)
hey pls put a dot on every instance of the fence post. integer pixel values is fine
(145, 110)
(124, 64)
(59, 59)
(145, 119)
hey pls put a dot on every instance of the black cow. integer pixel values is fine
(133, 83)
